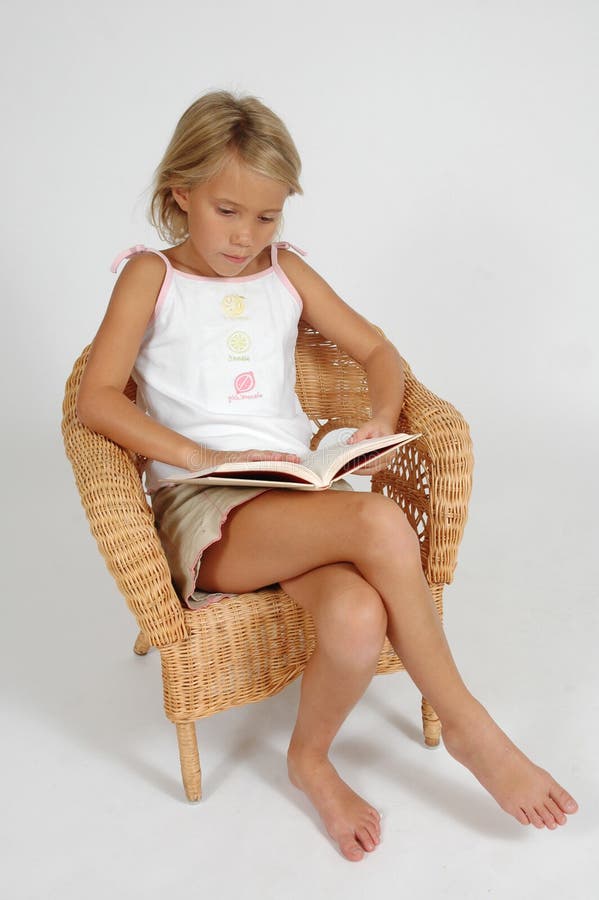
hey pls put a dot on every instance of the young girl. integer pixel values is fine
(208, 329)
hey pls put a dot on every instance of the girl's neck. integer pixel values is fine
(176, 258)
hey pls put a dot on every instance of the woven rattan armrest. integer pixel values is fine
(432, 477)
(122, 522)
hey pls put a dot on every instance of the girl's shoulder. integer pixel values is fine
(143, 283)
(144, 273)
(294, 267)
(287, 257)
(150, 256)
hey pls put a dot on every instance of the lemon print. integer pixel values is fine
(233, 305)
(238, 342)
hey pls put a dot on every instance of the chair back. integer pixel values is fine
(329, 383)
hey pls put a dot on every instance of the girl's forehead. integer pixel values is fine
(242, 185)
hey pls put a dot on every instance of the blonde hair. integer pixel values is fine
(214, 128)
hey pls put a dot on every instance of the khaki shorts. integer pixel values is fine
(189, 518)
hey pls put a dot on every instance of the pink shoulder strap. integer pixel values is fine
(283, 245)
(139, 248)
(280, 273)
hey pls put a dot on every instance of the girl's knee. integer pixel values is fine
(353, 624)
(386, 529)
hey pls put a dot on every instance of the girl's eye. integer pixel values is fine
(231, 212)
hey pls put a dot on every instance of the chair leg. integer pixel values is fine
(142, 644)
(431, 725)
(190, 760)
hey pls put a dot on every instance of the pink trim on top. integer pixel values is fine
(140, 248)
(224, 277)
(241, 279)
(283, 277)
(170, 270)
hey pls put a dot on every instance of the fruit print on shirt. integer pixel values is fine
(233, 306)
(238, 342)
(244, 382)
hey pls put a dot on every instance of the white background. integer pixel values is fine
(451, 196)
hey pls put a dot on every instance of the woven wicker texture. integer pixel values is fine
(245, 648)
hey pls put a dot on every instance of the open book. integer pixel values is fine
(318, 469)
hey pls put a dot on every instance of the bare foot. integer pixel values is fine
(521, 788)
(349, 819)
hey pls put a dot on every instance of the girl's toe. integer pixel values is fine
(547, 817)
(374, 833)
(556, 812)
(374, 827)
(365, 838)
(563, 799)
(522, 817)
(351, 849)
(535, 818)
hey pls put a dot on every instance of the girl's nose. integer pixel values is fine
(242, 234)
(241, 240)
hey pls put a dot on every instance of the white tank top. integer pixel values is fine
(217, 362)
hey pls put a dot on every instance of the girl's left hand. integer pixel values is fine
(375, 427)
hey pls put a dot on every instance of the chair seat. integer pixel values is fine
(210, 672)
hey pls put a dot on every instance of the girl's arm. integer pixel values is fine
(386, 383)
(101, 403)
(352, 333)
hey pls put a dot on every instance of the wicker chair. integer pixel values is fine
(246, 648)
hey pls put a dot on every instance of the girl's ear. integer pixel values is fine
(181, 196)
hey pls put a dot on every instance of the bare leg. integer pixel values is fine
(351, 623)
(282, 534)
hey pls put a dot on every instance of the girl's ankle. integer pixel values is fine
(462, 719)
(306, 752)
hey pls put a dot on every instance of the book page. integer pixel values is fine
(335, 456)
(331, 447)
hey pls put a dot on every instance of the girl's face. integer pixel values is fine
(231, 219)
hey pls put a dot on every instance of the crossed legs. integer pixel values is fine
(353, 561)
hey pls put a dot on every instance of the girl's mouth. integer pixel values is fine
(235, 259)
